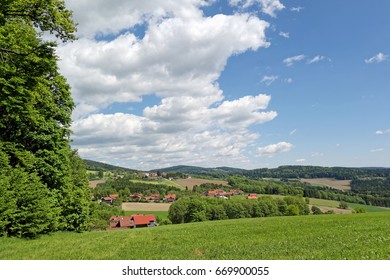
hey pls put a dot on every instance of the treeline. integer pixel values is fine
(125, 186)
(340, 173)
(203, 209)
(99, 166)
(296, 187)
(371, 186)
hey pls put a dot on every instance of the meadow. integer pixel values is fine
(314, 237)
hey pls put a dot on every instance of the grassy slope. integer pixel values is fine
(359, 236)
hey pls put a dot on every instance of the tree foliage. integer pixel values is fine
(43, 185)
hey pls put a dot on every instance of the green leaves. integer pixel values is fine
(43, 186)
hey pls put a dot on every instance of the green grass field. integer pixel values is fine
(322, 237)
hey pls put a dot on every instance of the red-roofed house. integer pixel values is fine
(252, 196)
(114, 195)
(132, 221)
(108, 200)
(171, 197)
(136, 197)
(153, 198)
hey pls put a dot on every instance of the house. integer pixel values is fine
(171, 197)
(252, 196)
(216, 193)
(135, 197)
(108, 200)
(153, 198)
(132, 221)
(114, 196)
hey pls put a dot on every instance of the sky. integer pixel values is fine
(239, 83)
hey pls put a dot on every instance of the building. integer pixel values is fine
(132, 221)
(171, 197)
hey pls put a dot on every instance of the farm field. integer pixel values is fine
(343, 185)
(140, 206)
(314, 237)
(94, 183)
(190, 183)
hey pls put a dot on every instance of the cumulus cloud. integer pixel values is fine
(169, 49)
(291, 60)
(273, 149)
(380, 57)
(176, 57)
(268, 80)
(156, 140)
(269, 7)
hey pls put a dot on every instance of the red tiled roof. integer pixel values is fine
(252, 196)
(170, 195)
(143, 219)
(114, 195)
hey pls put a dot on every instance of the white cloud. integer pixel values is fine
(382, 132)
(377, 150)
(178, 58)
(181, 130)
(288, 80)
(292, 132)
(268, 80)
(380, 57)
(301, 160)
(273, 149)
(291, 60)
(315, 59)
(284, 34)
(296, 9)
(269, 7)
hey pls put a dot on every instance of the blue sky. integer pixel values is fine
(241, 83)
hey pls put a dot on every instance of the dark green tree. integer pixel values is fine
(35, 119)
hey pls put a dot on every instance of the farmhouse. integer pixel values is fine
(171, 197)
(153, 198)
(252, 196)
(132, 221)
(114, 195)
(135, 197)
(107, 200)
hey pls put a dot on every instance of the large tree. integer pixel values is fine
(35, 119)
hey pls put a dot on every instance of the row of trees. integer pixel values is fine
(202, 209)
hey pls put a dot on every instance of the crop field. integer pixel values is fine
(145, 206)
(314, 237)
(94, 183)
(190, 183)
(343, 185)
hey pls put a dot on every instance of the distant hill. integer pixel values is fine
(97, 166)
(288, 171)
(215, 172)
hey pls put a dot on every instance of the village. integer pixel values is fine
(119, 222)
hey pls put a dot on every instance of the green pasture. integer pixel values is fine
(163, 215)
(314, 237)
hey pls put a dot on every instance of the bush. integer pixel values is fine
(316, 210)
(359, 210)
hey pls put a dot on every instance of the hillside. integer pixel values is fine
(97, 166)
(314, 237)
